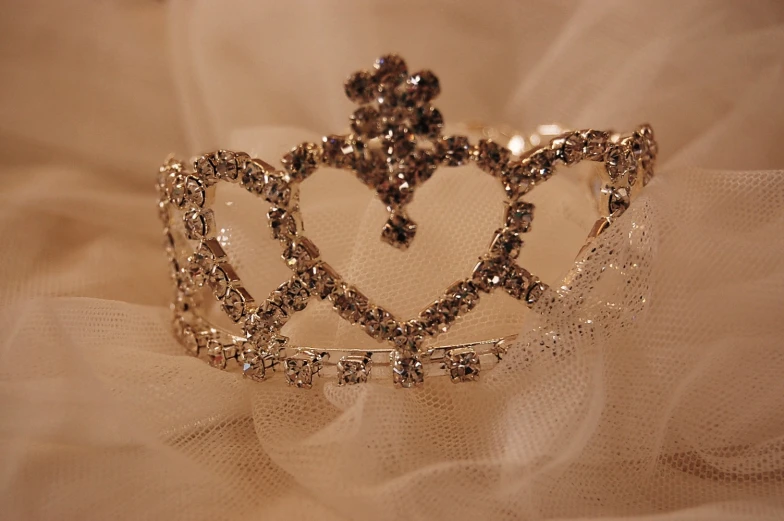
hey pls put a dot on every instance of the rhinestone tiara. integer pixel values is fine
(395, 145)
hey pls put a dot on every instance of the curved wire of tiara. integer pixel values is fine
(396, 144)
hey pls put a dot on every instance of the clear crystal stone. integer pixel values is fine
(488, 274)
(507, 243)
(535, 293)
(571, 151)
(219, 280)
(422, 87)
(361, 87)
(419, 165)
(397, 190)
(595, 144)
(517, 179)
(391, 70)
(282, 223)
(366, 122)
(349, 303)
(376, 321)
(302, 161)
(253, 177)
(427, 121)
(517, 281)
(226, 165)
(188, 339)
(194, 191)
(619, 161)
(198, 268)
(441, 314)
(519, 216)
(462, 364)
(353, 370)
(299, 371)
(205, 169)
(253, 365)
(258, 329)
(371, 168)
(540, 164)
(399, 231)
(320, 280)
(619, 200)
(216, 354)
(342, 151)
(300, 254)
(491, 157)
(398, 141)
(292, 296)
(234, 304)
(407, 337)
(453, 150)
(407, 370)
(276, 189)
(466, 294)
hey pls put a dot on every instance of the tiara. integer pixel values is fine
(394, 146)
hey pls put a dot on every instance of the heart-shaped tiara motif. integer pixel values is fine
(396, 145)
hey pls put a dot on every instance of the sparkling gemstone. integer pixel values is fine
(519, 216)
(517, 281)
(205, 169)
(396, 191)
(292, 295)
(194, 191)
(300, 254)
(407, 337)
(361, 87)
(253, 365)
(619, 200)
(253, 177)
(199, 224)
(282, 223)
(646, 164)
(488, 274)
(198, 268)
(466, 294)
(571, 150)
(507, 243)
(440, 315)
(226, 165)
(366, 121)
(258, 329)
(302, 161)
(491, 157)
(517, 179)
(234, 304)
(342, 151)
(187, 338)
(320, 280)
(595, 144)
(299, 370)
(540, 164)
(398, 141)
(422, 86)
(453, 150)
(216, 354)
(535, 293)
(354, 370)
(219, 280)
(390, 70)
(427, 121)
(619, 161)
(420, 165)
(276, 189)
(462, 364)
(389, 104)
(371, 169)
(399, 231)
(407, 370)
(349, 303)
(376, 321)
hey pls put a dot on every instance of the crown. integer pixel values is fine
(395, 145)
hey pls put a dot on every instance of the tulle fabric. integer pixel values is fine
(652, 389)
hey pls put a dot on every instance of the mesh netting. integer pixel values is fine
(652, 389)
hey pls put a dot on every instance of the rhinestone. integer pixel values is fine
(188, 339)
(371, 169)
(300, 253)
(396, 191)
(519, 216)
(595, 144)
(216, 354)
(398, 141)
(366, 122)
(226, 165)
(422, 87)
(375, 322)
(517, 281)
(646, 164)
(439, 316)
(419, 166)
(198, 267)
(276, 189)
(571, 151)
(205, 169)
(342, 151)
(517, 179)
(194, 191)
(652, 148)
(407, 370)
(321, 280)
(390, 70)
(462, 364)
(354, 370)
(349, 303)
(258, 329)
(253, 365)
(293, 296)
(219, 280)
(199, 224)
(299, 373)
(428, 121)
(253, 177)
(234, 303)
(466, 294)
(407, 336)
(453, 150)
(399, 231)
(282, 223)
(540, 164)
(619, 160)
(361, 87)
(388, 103)
(488, 274)
(507, 243)
(301, 161)
(491, 157)
(535, 293)
(619, 200)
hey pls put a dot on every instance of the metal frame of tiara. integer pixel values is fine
(396, 145)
